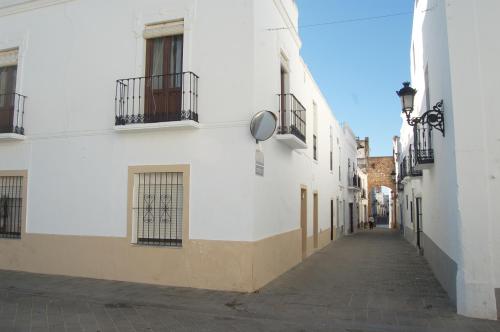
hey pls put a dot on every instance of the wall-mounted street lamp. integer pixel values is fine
(433, 117)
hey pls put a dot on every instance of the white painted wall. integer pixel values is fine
(78, 164)
(277, 202)
(457, 40)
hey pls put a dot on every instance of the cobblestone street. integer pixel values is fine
(370, 282)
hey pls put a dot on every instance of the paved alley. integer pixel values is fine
(370, 282)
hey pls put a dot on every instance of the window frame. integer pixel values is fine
(24, 200)
(131, 227)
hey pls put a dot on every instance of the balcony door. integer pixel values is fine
(7, 97)
(419, 222)
(163, 84)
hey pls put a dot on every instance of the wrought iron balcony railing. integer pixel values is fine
(424, 146)
(407, 166)
(412, 163)
(161, 98)
(12, 113)
(292, 117)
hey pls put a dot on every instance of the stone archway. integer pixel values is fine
(380, 173)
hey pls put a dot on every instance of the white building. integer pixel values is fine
(131, 157)
(363, 156)
(451, 179)
(352, 194)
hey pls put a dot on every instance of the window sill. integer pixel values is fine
(185, 124)
(138, 245)
(292, 141)
(12, 137)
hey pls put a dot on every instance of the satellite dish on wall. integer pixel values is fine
(263, 125)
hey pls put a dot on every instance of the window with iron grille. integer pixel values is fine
(158, 208)
(11, 203)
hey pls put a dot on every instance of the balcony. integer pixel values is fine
(403, 169)
(407, 169)
(412, 163)
(162, 101)
(291, 122)
(424, 151)
(12, 116)
(354, 182)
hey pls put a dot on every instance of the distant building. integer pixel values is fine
(363, 156)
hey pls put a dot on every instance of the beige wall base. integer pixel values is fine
(274, 256)
(323, 241)
(220, 265)
(324, 238)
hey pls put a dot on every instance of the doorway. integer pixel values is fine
(365, 214)
(303, 220)
(351, 218)
(315, 221)
(331, 220)
(419, 221)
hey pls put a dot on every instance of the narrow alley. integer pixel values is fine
(373, 281)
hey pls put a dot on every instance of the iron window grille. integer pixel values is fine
(11, 206)
(292, 117)
(159, 98)
(158, 208)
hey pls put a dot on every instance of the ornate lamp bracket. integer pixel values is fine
(433, 117)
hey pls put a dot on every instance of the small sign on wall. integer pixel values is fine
(259, 163)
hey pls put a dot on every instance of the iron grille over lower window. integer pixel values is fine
(11, 203)
(158, 208)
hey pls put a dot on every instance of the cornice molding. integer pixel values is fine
(27, 5)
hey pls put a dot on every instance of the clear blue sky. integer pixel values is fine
(360, 65)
